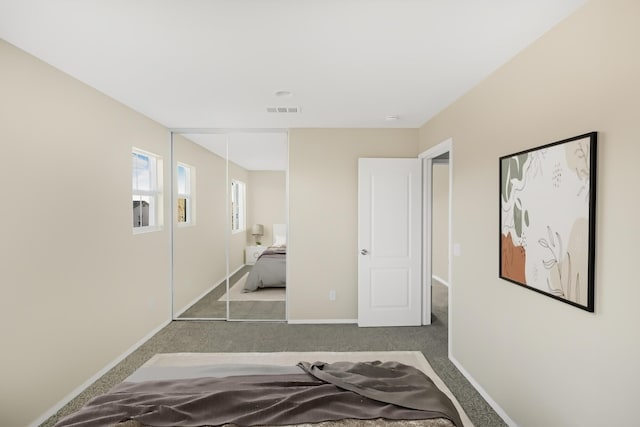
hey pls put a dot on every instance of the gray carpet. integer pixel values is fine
(208, 307)
(219, 336)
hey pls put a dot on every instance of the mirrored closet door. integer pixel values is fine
(229, 225)
(199, 233)
(257, 245)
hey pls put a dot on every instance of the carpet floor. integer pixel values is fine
(230, 337)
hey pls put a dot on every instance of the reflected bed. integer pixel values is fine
(270, 269)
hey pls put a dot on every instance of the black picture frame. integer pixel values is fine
(547, 219)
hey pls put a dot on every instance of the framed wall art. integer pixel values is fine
(547, 219)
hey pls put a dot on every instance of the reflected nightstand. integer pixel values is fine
(252, 253)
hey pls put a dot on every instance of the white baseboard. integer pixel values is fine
(483, 393)
(321, 321)
(55, 408)
(440, 280)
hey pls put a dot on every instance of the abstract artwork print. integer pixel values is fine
(547, 219)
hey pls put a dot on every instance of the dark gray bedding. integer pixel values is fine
(269, 270)
(323, 392)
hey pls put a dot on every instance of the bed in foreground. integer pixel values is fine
(196, 389)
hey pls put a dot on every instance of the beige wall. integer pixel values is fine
(542, 361)
(267, 202)
(323, 188)
(78, 288)
(199, 254)
(440, 221)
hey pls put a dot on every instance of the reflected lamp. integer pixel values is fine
(257, 231)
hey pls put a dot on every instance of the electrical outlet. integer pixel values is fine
(332, 295)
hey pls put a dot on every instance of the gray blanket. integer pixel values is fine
(281, 399)
(269, 270)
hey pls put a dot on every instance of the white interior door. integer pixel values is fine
(389, 239)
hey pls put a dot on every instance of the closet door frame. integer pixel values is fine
(228, 132)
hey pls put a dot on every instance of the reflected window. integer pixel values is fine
(238, 206)
(185, 202)
(146, 183)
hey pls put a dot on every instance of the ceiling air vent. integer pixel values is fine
(283, 109)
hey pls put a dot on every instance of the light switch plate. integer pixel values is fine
(457, 249)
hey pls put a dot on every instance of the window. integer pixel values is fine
(147, 191)
(185, 202)
(238, 190)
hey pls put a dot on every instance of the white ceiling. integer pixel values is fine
(261, 151)
(218, 63)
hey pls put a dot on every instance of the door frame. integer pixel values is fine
(428, 157)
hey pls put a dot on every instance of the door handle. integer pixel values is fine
(364, 251)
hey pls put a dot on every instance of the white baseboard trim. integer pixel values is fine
(199, 297)
(483, 393)
(440, 280)
(55, 408)
(321, 321)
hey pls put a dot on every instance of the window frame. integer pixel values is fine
(238, 207)
(188, 195)
(154, 193)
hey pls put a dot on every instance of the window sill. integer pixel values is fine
(144, 230)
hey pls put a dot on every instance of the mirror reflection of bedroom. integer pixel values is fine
(230, 233)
